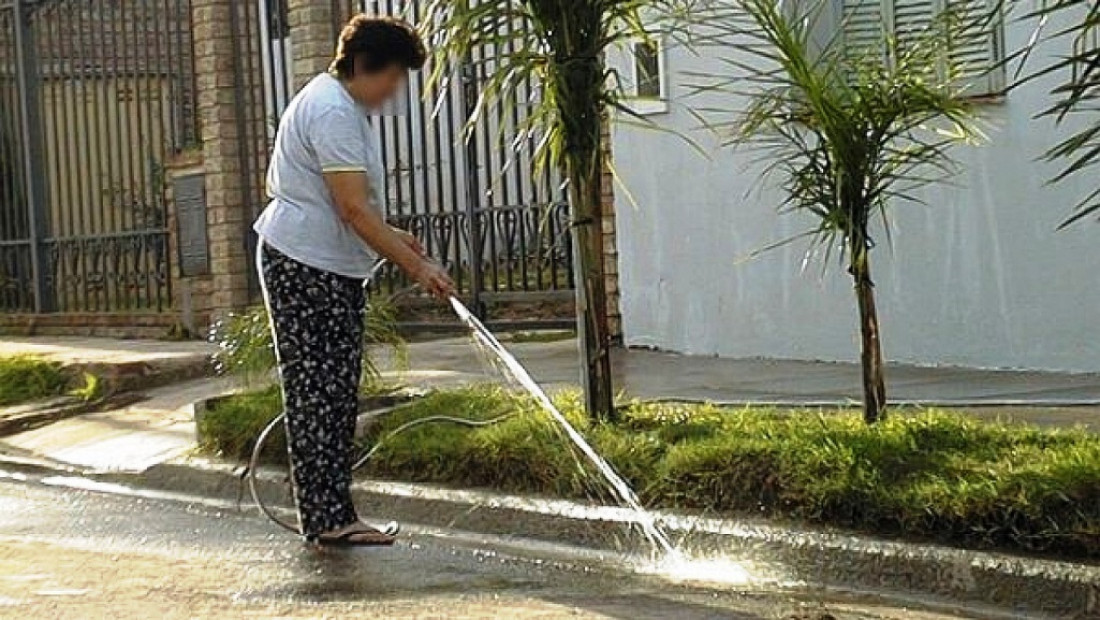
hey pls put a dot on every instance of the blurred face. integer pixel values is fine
(372, 89)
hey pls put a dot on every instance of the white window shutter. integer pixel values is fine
(864, 25)
(978, 53)
(912, 18)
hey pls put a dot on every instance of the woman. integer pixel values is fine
(319, 237)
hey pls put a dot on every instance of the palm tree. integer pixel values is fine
(847, 131)
(1077, 93)
(560, 45)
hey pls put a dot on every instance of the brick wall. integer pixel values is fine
(610, 243)
(311, 29)
(227, 211)
(108, 324)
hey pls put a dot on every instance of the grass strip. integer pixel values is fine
(923, 474)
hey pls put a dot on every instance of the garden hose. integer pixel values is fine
(261, 440)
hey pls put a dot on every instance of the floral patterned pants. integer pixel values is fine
(317, 318)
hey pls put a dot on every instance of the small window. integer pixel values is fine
(648, 88)
(647, 70)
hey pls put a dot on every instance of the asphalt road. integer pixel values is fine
(67, 552)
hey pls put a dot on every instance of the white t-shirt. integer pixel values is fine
(322, 130)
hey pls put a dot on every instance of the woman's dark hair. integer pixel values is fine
(377, 43)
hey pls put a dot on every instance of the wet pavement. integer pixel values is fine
(67, 552)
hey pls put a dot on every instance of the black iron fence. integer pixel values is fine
(475, 197)
(96, 94)
(474, 200)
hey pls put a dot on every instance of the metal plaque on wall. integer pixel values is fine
(194, 249)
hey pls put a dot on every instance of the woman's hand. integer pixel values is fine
(433, 278)
(430, 275)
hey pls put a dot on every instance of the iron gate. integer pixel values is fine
(96, 94)
(474, 201)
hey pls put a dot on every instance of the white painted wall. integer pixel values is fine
(979, 277)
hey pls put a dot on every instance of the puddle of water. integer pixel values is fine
(622, 491)
(717, 570)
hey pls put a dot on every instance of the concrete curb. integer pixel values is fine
(144, 375)
(1022, 586)
(29, 416)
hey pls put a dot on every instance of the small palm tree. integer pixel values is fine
(1077, 93)
(848, 131)
(559, 45)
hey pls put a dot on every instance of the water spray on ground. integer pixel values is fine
(621, 489)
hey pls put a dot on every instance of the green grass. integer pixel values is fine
(230, 425)
(27, 378)
(931, 475)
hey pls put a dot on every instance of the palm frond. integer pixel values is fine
(847, 131)
(1077, 89)
(558, 45)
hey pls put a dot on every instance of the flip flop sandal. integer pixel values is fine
(384, 537)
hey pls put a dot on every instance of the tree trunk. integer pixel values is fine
(578, 87)
(592, 326)
(874, 382)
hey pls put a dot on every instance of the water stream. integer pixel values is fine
(618, 486)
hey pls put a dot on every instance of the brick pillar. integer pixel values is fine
(313, 33)
(610, 245)
(216, 95)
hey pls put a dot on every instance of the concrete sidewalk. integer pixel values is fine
(659, 375)
(123, 365)
(644, 374)
(161, 428)
(79, 350)
(1044, 398)
(156, 430)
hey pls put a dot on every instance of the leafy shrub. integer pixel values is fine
(229, 427)
(246, 348)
